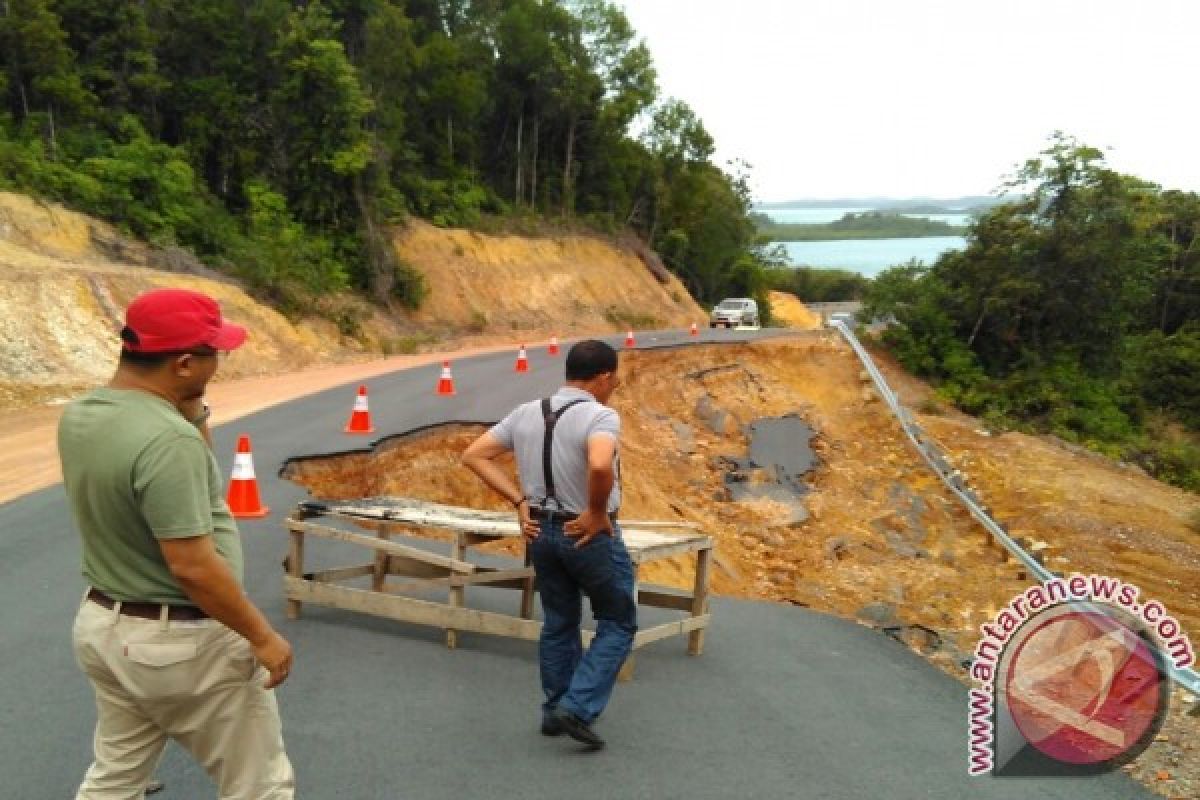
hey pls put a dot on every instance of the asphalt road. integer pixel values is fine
(784, 703)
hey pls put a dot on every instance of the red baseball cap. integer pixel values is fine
(166, 320)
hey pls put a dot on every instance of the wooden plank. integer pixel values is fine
(295, 564)
(650, 523)
(527, 585)
(644, 552)
(665, 597)
(639, 537)
(700, 599)
(407, 609)
(341, 573)
(431, 515)
(625, 673)
(458, 594)
(414, 568)
(391, 548)
(476, 539)
(685, 625)
(414, 586)
(488, 524)
(382, 560)
(516, 577)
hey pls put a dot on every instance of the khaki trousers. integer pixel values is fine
(195, 682)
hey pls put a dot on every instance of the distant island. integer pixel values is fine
(927, 205)
(863, 225)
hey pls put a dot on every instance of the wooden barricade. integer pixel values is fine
(422, 569)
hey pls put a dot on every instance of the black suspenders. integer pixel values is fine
(551, 418)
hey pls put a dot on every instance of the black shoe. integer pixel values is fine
(577, 729)
(550, 726)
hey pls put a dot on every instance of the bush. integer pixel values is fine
(280, 257)
(409, 286)
(1175, 462)
(630, 320)
(453, 203)
(1167, 370)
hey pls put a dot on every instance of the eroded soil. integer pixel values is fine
(882, 541)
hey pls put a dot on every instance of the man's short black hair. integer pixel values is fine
(589, 358)
(151, 361)
(146, 361)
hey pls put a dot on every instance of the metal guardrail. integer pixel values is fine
(1188, 679)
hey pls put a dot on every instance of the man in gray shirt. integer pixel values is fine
(566, 452)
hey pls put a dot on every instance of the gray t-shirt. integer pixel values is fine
(523, 430)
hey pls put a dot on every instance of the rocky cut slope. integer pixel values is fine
(65, 279)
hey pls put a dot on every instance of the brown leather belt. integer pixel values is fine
(147, 610)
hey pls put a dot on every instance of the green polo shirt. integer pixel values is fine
(135, 472)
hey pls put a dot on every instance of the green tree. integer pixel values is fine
(218, 59)
(41, 74)
(1177, 286)
(115, 49)
(318, 110)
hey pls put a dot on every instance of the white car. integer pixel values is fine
(734, 312)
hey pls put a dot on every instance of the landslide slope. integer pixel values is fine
(568, 283)
(65, 279)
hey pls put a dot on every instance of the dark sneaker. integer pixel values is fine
(550, 726)
(577, 729)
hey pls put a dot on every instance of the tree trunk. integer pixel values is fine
(635, 211)
(24, 98)
(520, 128)
(978, 323)
(537, 125)
(568, 194)
(381, 265)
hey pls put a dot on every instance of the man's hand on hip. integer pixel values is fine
(588, 525)
(529, 525)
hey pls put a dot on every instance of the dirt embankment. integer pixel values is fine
(879, 538)
(879, 528)
(65, 279)
(566, 284)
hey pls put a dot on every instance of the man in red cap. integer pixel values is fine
(165, 633)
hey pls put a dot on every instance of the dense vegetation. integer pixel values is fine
(278, 138)
(862, 225)
(815, 285)
(1075, 310)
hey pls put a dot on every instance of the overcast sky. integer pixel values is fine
(837, 98)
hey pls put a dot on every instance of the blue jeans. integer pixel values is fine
(574, 681)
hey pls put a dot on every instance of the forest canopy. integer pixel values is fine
(1075, 310)
(277, 139)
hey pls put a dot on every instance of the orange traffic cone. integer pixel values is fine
(243, 496)
(446, 382)
(629, 341)
(360, 417)
(553, 348)
(522, 361)
(695, 331)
